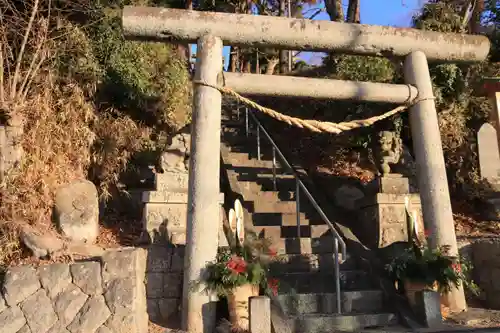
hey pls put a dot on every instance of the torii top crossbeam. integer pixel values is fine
(163, 24)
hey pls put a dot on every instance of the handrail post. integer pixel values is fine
(297, 205)
(246, 121)
(274, 169)
(258, 142)
(337, 274)
(237, 110)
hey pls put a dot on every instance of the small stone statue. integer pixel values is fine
(388, 151)
(176, 157)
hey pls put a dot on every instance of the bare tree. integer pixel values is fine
(335, 10)
(233, 58)
(283, 53)
(477, 12)
(271, 65)
(353, 15)
(183, 49)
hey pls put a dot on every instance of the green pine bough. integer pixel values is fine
(420, 264)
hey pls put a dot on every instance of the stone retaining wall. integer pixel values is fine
(164, 284)
(485, 255)
(104, 295)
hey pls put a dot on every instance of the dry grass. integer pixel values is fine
(55, 119)
(56, 142)
(117, 140)
(48, 80)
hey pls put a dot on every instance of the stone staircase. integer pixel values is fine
(305, 269)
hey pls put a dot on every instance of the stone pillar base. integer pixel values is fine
(165, 209)
(383, 214)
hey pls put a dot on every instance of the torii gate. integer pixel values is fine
(210, 30)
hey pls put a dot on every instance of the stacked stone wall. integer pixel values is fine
(104, 295)
(164, 276)
(485, 256)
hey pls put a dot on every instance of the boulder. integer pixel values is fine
(347, 195)
(41, 245)
(77, 211)
(491, 209)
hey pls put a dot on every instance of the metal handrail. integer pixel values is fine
(300, 185)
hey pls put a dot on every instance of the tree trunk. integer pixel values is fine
(257, 62)
(353, 12)
(336, 13)
(233, 58)
(475, 21)
(283, 53)
(183, 50)
(335, 10)
(271, 66)
(247, 67)
(244, 61)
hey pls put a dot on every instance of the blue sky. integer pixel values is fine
(378, 12)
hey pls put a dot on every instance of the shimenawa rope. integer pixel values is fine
(313, 125)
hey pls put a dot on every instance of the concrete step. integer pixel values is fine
(290, 232)
(308, 215)
(246, 153)
(284, 207)
(239, 142)
(237, 156)
(349, 322)
(276, 219)
(249, 188)
(370, 301)
(290, 245)
(235, 136)
(241, 161)
(285, 184)
(239, 125)
(323, 282)
(242, 144)
(251, 181)
(234, 123)
(270, 196)
(258, 175)
(257, 168)
(285, 237)
(310, 262)
(233, 132)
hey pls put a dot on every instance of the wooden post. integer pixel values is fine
(496, 110)
(203, 193)
(491, 88)
(260, 314)
(432, 180)
(495, 115)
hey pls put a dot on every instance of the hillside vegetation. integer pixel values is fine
(91, 104)
(461, 109)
